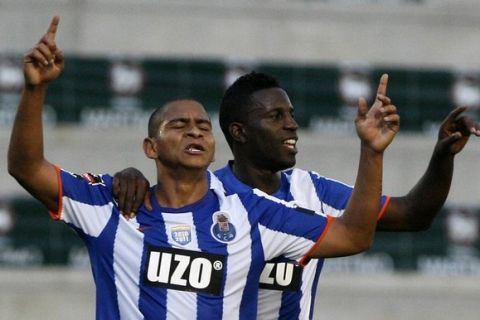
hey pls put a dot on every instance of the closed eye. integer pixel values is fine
(204, 125)
(178, 124)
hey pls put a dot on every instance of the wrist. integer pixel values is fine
(441, 152)
(32, 88)
(370, 150)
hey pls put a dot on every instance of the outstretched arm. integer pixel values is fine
(417, 210)
(26, 162)
(353, 232)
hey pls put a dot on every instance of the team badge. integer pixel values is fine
(222, 229)
(181, 234)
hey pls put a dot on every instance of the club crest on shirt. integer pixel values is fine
(222, 228)
(181, 234)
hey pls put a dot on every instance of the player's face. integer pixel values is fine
(272, 130)
(185, 137)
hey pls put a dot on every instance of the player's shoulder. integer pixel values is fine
(299, 176)
(88, 178)
(87, 188)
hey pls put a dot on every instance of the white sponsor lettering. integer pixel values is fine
(284, 273)
(277, 274)
(266, 272)
(200, 273)
(188, 271)
(179, 272)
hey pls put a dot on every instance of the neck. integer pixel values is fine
(176, 189)
(266, 180)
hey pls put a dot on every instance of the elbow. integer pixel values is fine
(363, 245)
(421, 225)
(15, 172)
(12, 164)
(18, 170)
(13, 169)
(421, 220)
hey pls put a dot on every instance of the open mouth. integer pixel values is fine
(290, 143)
(195, 148)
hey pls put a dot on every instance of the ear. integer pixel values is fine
(237, 132)
(150, 148)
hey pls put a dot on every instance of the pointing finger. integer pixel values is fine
(52, 28)
(455, 113)
(382, 86)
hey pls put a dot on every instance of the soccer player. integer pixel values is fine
(256, 117)
(201, 252)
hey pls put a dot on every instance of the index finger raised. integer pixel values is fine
(382, 86)
(455, 113)
(52, 28)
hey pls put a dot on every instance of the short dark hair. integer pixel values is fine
(237, 98)
(156, 116)
(154, 121)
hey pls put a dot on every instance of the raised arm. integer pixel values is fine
(26, 162)
(416, 210)
(353, 232)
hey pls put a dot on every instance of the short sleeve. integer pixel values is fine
(85, 201)
(285, 229)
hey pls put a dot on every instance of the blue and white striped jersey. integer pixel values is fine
(202, 261)
(294, 300)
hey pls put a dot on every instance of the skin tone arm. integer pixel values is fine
(26, 162)
(417, 210)
(354, 231)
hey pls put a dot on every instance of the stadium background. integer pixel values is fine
(126, 57)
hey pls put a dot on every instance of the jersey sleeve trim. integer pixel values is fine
(384, 208)
(306, 258)
(57, 215)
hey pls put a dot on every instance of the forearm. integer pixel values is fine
(352, 233)
(430, 193)
(417, 209)
(26, 142)
(362, 209)
(26, 162)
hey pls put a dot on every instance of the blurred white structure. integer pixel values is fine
(396, 32)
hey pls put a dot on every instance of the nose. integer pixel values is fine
(290, 122)
(194, 131)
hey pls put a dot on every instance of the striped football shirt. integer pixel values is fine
(201, 261)
(279, 299)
